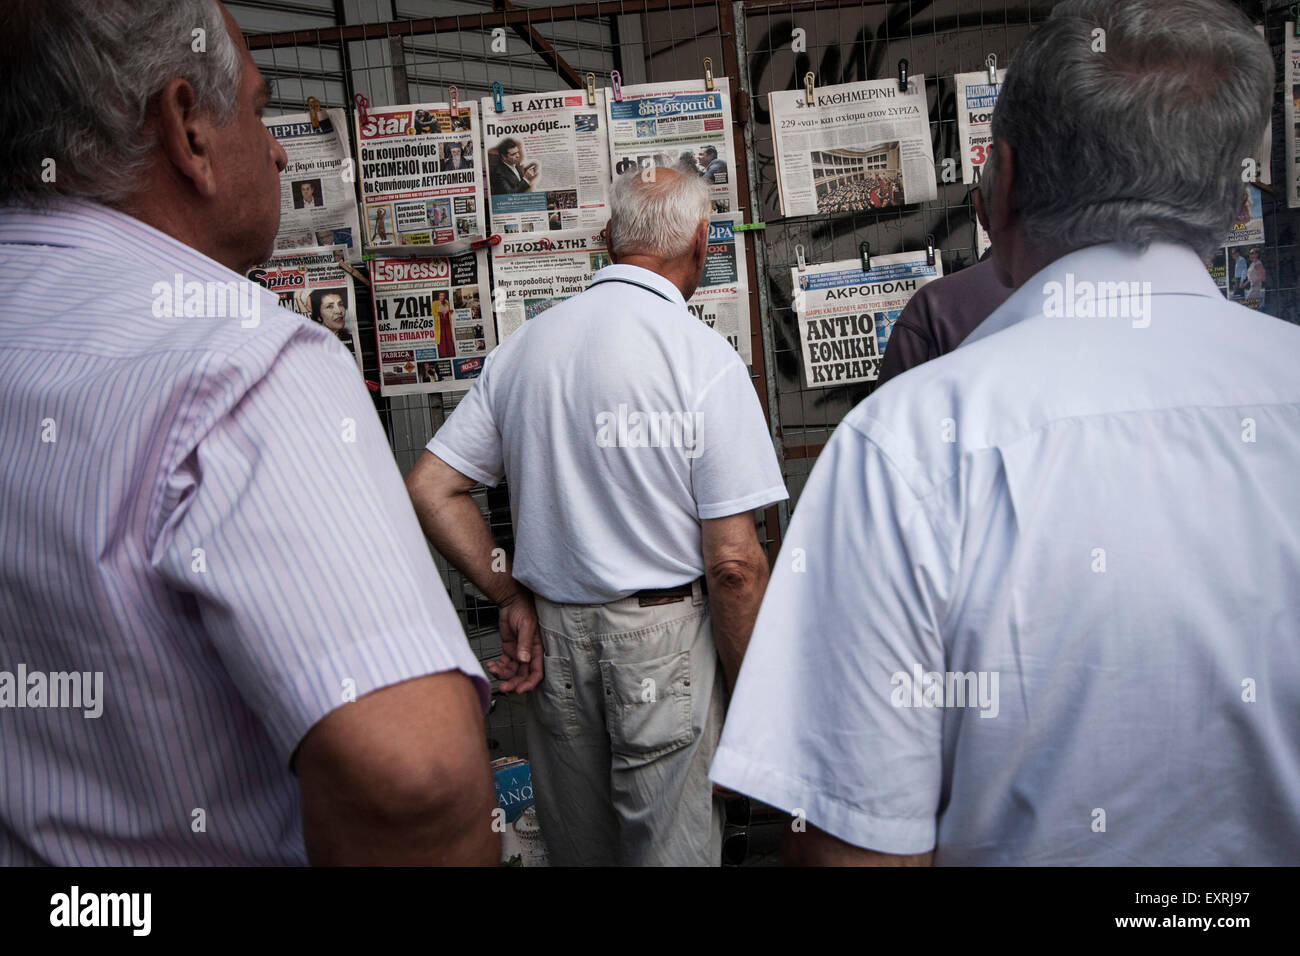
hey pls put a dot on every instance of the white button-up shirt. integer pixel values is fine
(1040, 599)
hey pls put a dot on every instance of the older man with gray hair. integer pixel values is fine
(1049, 613)
(636, 453)
(166, 524)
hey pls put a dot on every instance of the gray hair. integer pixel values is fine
(653, 214)
(79, 79)
(1142, 142)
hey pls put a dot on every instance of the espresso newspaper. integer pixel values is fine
(318, 197)
(845, 315)
(433, 321)
(860, 147)
(547, 162)
(421, 183)
(681, 125)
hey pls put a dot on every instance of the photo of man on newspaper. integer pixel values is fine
(507, 173)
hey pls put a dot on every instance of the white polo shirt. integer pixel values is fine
(620, 421)
(1039, 602)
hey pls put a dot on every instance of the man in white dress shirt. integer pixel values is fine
(1040, 599)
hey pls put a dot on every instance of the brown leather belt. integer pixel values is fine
(665, 595)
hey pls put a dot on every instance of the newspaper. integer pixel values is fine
(721, 301)
(532, 273)
(547, 162)
(313, 282)
(1291, 114)
(863, 146)
(421, 182)
(677, 124)
(845, 316)
(318, 199)
(433, 321)
(1238, 267)
(975, 102)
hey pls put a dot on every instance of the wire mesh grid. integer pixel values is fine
(401, 51)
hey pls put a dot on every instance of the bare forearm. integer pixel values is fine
(456, 528)
(735, 593)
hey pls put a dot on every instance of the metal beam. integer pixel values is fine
(542, 46)
(467, 21)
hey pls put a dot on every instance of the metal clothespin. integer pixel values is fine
(591, 89)
(313, 110)
(798, 254)
(991, 61)
(929, 250)
(453, 97)
(902, 76)
(363, 106)
(498, 97)
(808, 96)
(616, 81)
(864, 250)
(708, 73)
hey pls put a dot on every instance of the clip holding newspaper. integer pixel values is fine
(845, 315)
(433, 321)
(679, 125)
(547, 162)
(314, 283)
(532, 273)
(318, 199)
(421, 183)
(861, 147)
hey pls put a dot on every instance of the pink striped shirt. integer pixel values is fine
(205, 512)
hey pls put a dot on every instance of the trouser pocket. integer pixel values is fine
(553, 702)
(647, 707)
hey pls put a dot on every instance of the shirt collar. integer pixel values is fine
(80, 224)
(1170, 268)
(640, 276)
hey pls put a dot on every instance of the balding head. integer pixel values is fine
(659, 220)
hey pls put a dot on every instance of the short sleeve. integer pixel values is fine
(736, 469)
(470, 440)
(823, 721)
(296, 539)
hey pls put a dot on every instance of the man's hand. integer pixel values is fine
(519, 668)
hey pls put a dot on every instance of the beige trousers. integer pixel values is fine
(622, 730)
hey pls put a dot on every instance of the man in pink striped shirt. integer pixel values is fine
(211, 577)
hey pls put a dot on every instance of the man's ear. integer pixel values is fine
(1005, 207)
(701, 245)
(185, 135)
(977, 198)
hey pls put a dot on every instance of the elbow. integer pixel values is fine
(738, 575)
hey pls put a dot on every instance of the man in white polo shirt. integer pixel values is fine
(636, 452)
